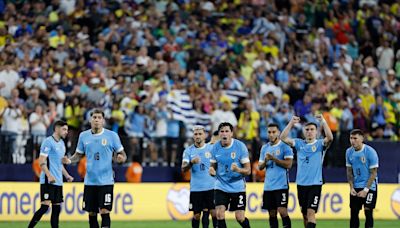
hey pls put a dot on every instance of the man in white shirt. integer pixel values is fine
(223, 115)
(8, 80)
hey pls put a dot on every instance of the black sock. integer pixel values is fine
(105, 220)
(195, 223)
(273, 222)
(286, 222)
(221, 223)
(369, 219)
(354, 219)
(38, 215)
(55, 215)
(93, 221)
(311, 225)
(205, 220)
(215, 222)
(245, 223)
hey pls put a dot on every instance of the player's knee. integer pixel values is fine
(92, 214)
(283, 211)
(197, 216)
(104, 211)
(310, 214)
(46, 202)
(239, 217)
(272, 213)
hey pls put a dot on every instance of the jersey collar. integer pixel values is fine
(100, 133)
(362, 148)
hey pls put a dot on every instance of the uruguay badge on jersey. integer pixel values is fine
(278, 152)
(104, 142)
(363, 159)
(207, 154)
(314, 148)
(233, 155)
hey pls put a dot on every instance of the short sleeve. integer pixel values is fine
(117, 145)
(80, 148)
(373, 158)
(213, 151)
(297, 143)
(244, 155)
(45, 148)
(186, 156)
(288, 152)
(262, 154)
(348, 161)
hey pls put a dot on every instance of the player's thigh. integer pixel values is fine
(196, 204)
(57, 195)
(355, 201)
(281, 197)
(370, 199)
(106, 197)
(49, 192)
(302, 193)
(90, 199)
(314, 197)
(221, 198)
(208, 198)
(269, 202)
(238, 201)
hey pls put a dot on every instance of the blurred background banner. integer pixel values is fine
(166, 201)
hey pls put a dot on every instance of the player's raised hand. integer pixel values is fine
(234, 167)
(51, 179)
(295, 119)
(121, 158)
(211, 171)
(69, 178)
(195, 160)
(320, 117)
(269, 157)
(65, 160)
(353, 192)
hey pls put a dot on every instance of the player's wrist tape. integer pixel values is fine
(366, 189)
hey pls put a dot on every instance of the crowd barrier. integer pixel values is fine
(170, 201)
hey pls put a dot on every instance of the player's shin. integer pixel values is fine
(273, 222)
(38, 215)
(93, 220)
(354, 219)
(286, 222)
(205, 220)
(245, 223)
(221, 223)
(369, 219)
(215, 222)
(105, 220)
(55, 215)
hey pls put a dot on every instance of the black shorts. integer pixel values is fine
(51, 192)
(274, 199)
(369, 201)
(201, 200)
(98, 197)
(232, 201)
(309, 197)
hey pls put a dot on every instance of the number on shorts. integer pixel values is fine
(241, 200)
(283, 197)
(370, 196)
(107, 198)
(316, 200)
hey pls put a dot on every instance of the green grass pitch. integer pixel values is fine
(185, 224)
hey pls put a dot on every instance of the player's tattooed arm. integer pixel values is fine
(185, 166)
(74, 159)
(246, 170)
(372, 176)
(350, 179)
(43, 166)
(328, 133)
(285, 133)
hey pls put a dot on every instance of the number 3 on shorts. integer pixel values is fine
(241, 200)
(107, 198)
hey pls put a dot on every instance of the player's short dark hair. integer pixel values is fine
(59, 123)
(225, 124)
(311, 123)
(357, 132)
(273, 125)
(97, 111)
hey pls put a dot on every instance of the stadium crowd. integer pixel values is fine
(159, 67)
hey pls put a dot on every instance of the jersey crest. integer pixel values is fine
(104, 142)
(314, 148)
(278, 152)
(207, 154)
(363, 159)
(233, 155)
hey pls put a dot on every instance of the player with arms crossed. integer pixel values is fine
(197, 159)
(98, 145)
(230, 163)
(362, 174)
(310, 158)
(52, 151)
(277, 158)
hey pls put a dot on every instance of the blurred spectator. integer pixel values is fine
(134, 171)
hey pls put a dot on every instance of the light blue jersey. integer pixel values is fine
(200, 178)
(54, 151)
(310, 157)
(227, 180)
(361, 162)
(99, 149)
(276, 177)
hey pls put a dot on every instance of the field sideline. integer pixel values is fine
(185, 224)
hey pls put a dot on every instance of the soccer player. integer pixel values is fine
(52, 151)
(230, 163)
(98, 145)
(362, 174)
(277, 158)
(310, 157)
(197, 158)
